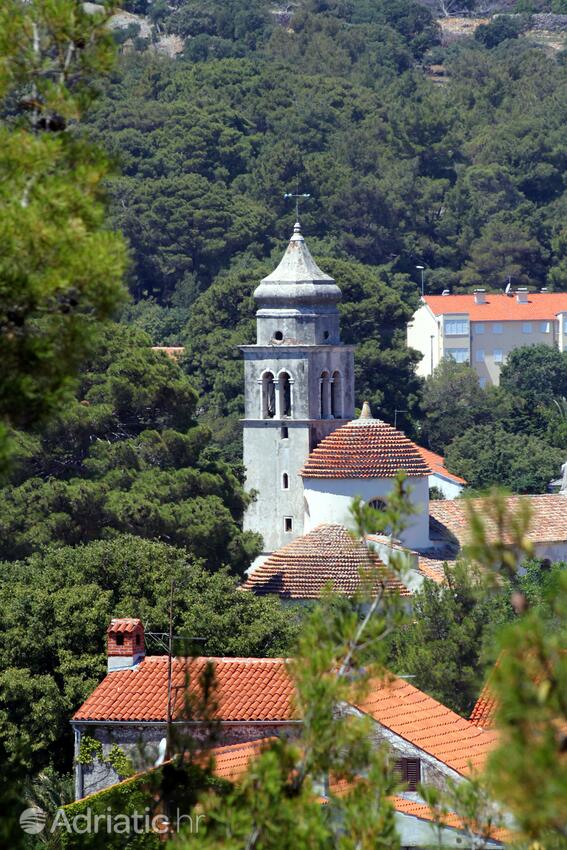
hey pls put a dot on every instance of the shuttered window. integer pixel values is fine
(409, 772)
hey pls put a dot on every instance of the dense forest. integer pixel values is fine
(333, 98)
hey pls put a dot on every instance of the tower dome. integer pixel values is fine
(297, 302)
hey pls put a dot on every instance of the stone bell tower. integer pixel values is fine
(299, 386)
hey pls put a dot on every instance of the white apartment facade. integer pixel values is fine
(482, 328)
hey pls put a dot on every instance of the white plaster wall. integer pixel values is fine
(450, 489)
(420, 329)
(415, 832)
(329, 500)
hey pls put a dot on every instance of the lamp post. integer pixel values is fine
(422, 270)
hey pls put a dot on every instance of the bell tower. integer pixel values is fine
(299, 387)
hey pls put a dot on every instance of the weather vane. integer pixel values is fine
(298, 196)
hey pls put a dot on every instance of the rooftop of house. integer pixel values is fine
(548, 518)
(365, 448)
(498, 307)
(260, 689)
(484, 709)
(326, 555)
(437, 465)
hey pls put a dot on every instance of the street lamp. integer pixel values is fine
(422, 270)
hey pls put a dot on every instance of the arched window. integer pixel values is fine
(285, 481)
(377, 504)
(268, 396)
(285, 394)
(324, 403)
(336, 396)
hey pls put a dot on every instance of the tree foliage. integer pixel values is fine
(60, 268)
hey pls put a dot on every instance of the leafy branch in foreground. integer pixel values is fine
(278, 804)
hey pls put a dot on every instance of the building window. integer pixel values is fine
(285, 432)
(137, 640)
(119, 640)
(324, 400)
(288, 524)
(497, 327)
(336, 393)
(479, 356)
(268, 396)
(408, 771)
(377, 504)
(456, 327)
(459, 355)
(325, 334)
(498, 355)
(526, 327)
(545, 327)
(285, 481)
(285, 394)
(278, 335)
(479, 328)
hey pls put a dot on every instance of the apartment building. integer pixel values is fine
(482, 328)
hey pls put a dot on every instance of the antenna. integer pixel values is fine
(298, 196)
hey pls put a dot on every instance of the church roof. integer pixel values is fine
(297, 279)
(548, 518)
(327, 555)
(365, 448)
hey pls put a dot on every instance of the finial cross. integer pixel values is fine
(298, 196)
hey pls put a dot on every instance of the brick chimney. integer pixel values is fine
(125, 644)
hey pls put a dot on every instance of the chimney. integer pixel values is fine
(125, 644)
(480, 296)
(522, 296)
(446, 292)
(544, 289)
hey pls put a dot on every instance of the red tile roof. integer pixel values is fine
(123, 626)
(365, 448)
(231, 762)
(432, 567)
(540, 306)
(484, 709)
(548, 523)
(437, 465)
(253, 689)
(260, 689)
(428, 724)
(327, 555)
(450, 819)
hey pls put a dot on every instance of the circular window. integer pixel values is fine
(278, 335)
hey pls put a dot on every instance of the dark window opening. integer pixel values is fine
(278, 335)
(326, 335)
(408, 771)
(285, 432)
(336, 395)
(285, 394)
(138, 640)
(324, 400)
(119, 640)
(268, 396)
(285, 481)
(377, 504)
(288, 523)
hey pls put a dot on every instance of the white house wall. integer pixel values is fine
(420, 329)
(329, 500)
(450, 489)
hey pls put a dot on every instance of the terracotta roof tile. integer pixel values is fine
(423, 812)
(484, 709)
(258, 689)
(428, 724)
(247, 689)
(365, 448)
(432, 567)
(548, 524)
(231, 762)
(124, 625)
(328, 554)
(499, 307)
(437, 465)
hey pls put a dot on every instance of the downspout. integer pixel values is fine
(78, 766)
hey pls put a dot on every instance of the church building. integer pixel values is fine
(305, 455)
